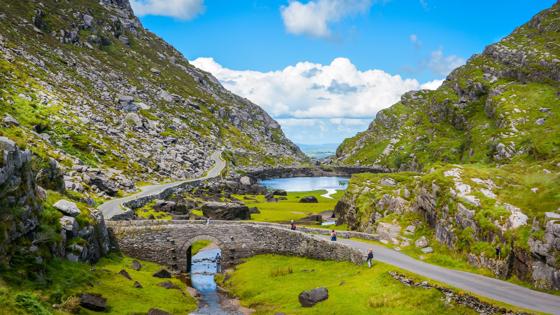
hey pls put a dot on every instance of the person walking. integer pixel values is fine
(498, 252)
(369, 258)
(292, 226)
(333, 235)
(218, 263)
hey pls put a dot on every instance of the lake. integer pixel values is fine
(307, 183)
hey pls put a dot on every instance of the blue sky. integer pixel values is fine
(266, 51)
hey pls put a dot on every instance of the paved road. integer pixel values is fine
(114, 207)
(484, 286)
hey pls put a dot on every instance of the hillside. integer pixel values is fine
(83, 83)
(476, 163)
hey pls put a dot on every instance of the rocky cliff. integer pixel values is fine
(84, 83)
(476, 163)
(35, 227)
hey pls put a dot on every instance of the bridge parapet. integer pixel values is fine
(167, 242)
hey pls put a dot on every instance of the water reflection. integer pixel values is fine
(307, 183)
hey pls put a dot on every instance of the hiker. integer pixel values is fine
(218, 263)
(498, 252)
(369, 258)
(207, 221)
(333, 235)
(292, 226)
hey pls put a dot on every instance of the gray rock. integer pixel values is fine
(93, 302)
(540, 121)
(125, 274)
(226, 211)
(70, 225)
(246, 181)
(10, 121)
(309, 199)
(163, 273)
(312, 297)
(136, 265)
(387, 181)
(421, 242)
(427, 250)
(67, 207)
(155, 311)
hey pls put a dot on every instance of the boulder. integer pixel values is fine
(387, 181)
(389, 232)
(427, 250)
(93, 302)
(67, 207)
(168, 285)
(226, 211)
(10, 121)
(155, 311)
(163, 273)
(246, 181)
(312, 297)
(309, 199)
(69, 225)
(279, 192)
(104, 184)
(138, 285)
(254, 210)
(421, 242)
(125, 274)
(136, 265)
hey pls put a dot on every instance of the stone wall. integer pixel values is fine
(167, 242)
(313, 171)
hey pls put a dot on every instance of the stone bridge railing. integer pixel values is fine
(168, 242)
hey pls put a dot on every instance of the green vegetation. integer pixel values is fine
(352, 289)
(199, 245)
(63, 281)
(148, 212)
(291, 208)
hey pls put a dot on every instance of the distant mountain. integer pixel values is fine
(319, 151)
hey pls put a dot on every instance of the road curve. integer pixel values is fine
(491, 288)
(114, 207)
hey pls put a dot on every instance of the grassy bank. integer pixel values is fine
(291, 208)
(352, 289)
(63, 281)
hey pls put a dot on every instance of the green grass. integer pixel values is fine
(352, 289)
(290, 209)
(63, 281)
(199, 245)
(148, 212)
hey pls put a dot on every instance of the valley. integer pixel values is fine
(133, 182)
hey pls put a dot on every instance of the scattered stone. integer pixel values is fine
(551, 216)
(67, 207)
(540, 121)
(93, 302)
(138, 285)
(168, 285)
(246, 181)
(421, 242)
(312, 297)
(309, 199)
(388, 232)
(69, 225)
(534, 190)
(155, 311)
(387, 181)
(125, 274)
(410, 229)
(279, 192)
(427, 250)
(163, 273)
(136, 265)
(10, 121)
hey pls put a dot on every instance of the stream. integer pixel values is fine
(292, 184)
(203, 269)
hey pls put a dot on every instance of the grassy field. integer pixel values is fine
(64, 281)
(290, 209)
(352, 289)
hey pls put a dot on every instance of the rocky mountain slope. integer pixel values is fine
(476, 162)
(84, 83)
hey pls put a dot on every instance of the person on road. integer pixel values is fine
(333, 235)
(292, 226)
(369, 258)
(207, 221)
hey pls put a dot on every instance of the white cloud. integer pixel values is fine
(180, 9)
(441, 64)
(432, 85)
(313, 18)
(415, 40)
(309, 90)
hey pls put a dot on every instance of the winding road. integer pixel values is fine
(115, 207)
(491, 288)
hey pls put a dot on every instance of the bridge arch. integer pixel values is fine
(185, 250)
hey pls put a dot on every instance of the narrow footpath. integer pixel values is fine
(115, 207)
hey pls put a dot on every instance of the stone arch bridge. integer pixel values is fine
(169, 242)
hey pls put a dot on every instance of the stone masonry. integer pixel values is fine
(167, 242)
